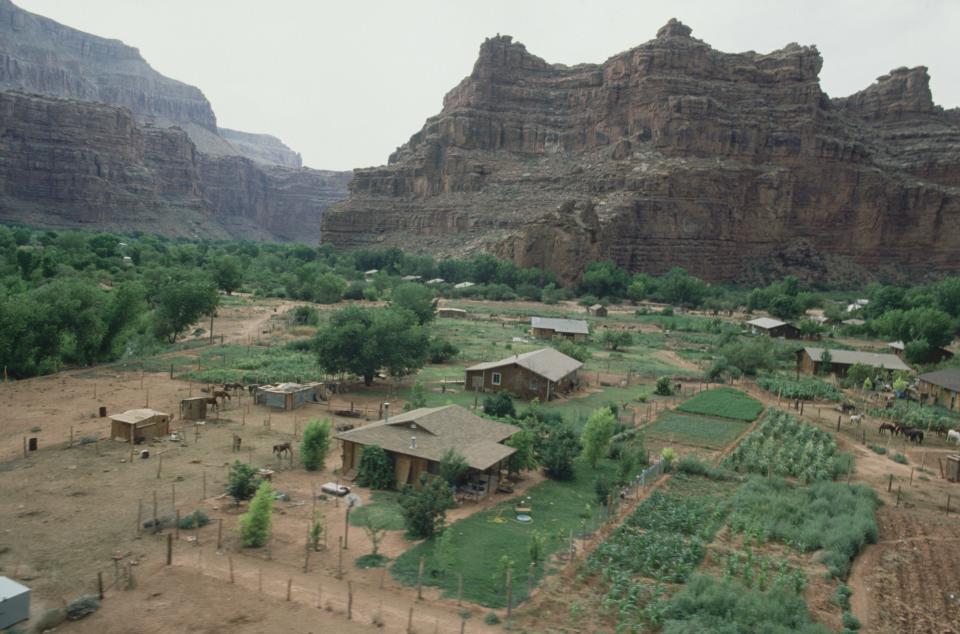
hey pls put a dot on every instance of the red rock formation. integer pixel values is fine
(672, 153)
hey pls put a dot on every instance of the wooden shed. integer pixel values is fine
(14, 603)
(287, 396)
(194, 408)
(454, 313)
(598, 310)
(139, 425)
(951, 468)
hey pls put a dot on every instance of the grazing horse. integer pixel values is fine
(887, 427)
(915, 435)
(902, 429)
(251, 388)
(212, 402)
(237, 441)
(223, 395)
(284, 447)
(953, 435)
(232, 387)
(856, 418)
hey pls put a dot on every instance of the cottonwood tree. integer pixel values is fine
(424, 509)
(316, 442)
(597, 433)
(181, 302)
(255, 523)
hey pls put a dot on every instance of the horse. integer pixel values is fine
(902, 429)
(232, 387)
(223, 395)
(280, 449)
(212, 402)
(856, 418)
(237, 441)
(887, 427)
(953, 435)
(915, 435)
(251, 388)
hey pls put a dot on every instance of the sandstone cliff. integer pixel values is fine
(734, 166)
(70, 163)
(41, 56)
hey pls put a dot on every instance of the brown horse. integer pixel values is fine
(237, 441)
(223, 395)
(282, 448)
(887, 427)
(212, 402)
(232, 387)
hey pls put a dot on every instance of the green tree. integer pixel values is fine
(376, 469)
(418, 397)
(375, 530)
(255, 523)
(242, 482)
(228, 273)
(499, 405)
(602, 489)
(560, 448)
(445, 552)
(524, 458)
(424, 509)
(573, 350)
(182, 302)
(785, 307)
(441, 350)
(366, 340)
(680, 289)
(537, 550)
(316, 531)
(616, 339)
(857, 374)
(664, 386)
(918, 352)
(597, 434)
(416, 298)
(329, 289)
(668, 455)
(453, 467)
(604, 279)
(315, 444)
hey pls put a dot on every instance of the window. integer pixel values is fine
(495, 378)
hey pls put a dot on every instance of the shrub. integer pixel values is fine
(850, 621)
(664, 386)
(694, 466)
(453, 467)
(376, 468)
(441, 350)
(499, 405)
(425, 509)
(243, 482)
(255, 523)
(491, 618)
(196, 519)
(572, 349)
(841, 596)
(877, 449)
(596, 435)
(372, 561)
(82, 607)
(560, 449)
(900, 458)
(316, 442)
(668, 455)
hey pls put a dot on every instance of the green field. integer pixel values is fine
(382, 510)
(724, 402)
(713, 433)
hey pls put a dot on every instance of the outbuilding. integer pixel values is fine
(773, 328)
(942, 387)
(598, 310)
(812, 361)
(287, 396)
(451, 313)
(139, 425)
(194, 408)
(14, 603)
(538, 374)
(550, 327)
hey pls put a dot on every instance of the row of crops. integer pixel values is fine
(910, 413)
(784, 445)
(724, 402)
(806, 388)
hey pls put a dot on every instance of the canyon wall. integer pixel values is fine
(734, 166)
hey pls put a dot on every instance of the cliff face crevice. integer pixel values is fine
(684, 155)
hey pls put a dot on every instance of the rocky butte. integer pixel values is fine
(91, 135)
(734, 166)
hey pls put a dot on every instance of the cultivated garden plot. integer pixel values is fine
(700, 431)
(723, 402)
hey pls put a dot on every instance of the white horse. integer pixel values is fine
(856, 418)
(954, 436)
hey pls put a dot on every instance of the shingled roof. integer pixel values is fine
(568, 326)
(849, 357)
(949, 378)
(546, 362)
(437, 430)
(766, 323)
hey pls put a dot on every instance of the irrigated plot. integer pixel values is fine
(713, 433)
(725, 402)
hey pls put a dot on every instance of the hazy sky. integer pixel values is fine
(345, 83)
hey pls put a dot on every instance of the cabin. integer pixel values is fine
(464, 285)
(549, 327)
(937, 355)
(773, 328)
(139, 425)
(194, 408)
(416, 442)
(941, 388)
(287, 396)
(538, 374)
(14, 603)
(452, 313)
(598, 310)
(810, 361)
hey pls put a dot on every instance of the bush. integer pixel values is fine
(196, 519)
(668, 455)
(255, 523)
(491, 618)
(841, 596)
(877, 449)
(572, 349)
(664, 386)
(441, 350)
(316, 442)
(850, 621)
(82, 607)
(372, 561)
(376, 468)
(243, 482)
(425, 509)
(499, 405)
(560, 449)
(453, 467)
(694, 466)
(900, 458)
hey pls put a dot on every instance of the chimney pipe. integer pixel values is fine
(413, 442)
(386, 412)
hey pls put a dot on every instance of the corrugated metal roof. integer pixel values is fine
(134, 416)
(872, 359)
(438, 429)
(546, 362)
(766, 323)
(10, 588)
(570, 326)
(949, 378)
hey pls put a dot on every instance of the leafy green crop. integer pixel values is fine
(724, 402)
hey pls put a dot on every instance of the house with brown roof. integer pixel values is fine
(538, 374)
(550, 327)
(598, 310)
(773, 328)
(942, 387)
(812, 360)
(416, 442)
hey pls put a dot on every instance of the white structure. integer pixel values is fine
(464, 285)
(14, 602)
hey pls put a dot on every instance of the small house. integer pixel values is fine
(464, 285)
(194, 408)
(452, 313)
(538, 374)
(936, 355)
(773, 328)
(139, 425)
(434, 281)
(811, 361)
(549, 327)
(598, 310)
(411, 278)
(287, 396)
(14, 603)
(416, 442)
(942, 387)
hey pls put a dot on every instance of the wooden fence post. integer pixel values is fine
(289, 586)
(169, 548)
(349, 600)
(410, 621)
(139, 516)
(339, 557)
(176, 523)
(420, 579)
(230, 563)
(219, 533)
(509, 592)
(100, 585)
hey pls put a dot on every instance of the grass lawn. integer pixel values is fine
(724, 402)
(714, 433)
(383, 510)
(483, 538)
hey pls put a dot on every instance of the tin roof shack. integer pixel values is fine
(598, 310)
(538, 374)
(810, 361)
(548, 328)
(773, 328)
(942, 387)
(194, 408)
(936, 355)
(417, 440)
(454, 313)
(287, 396)
(139, 425)
(14, 603)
